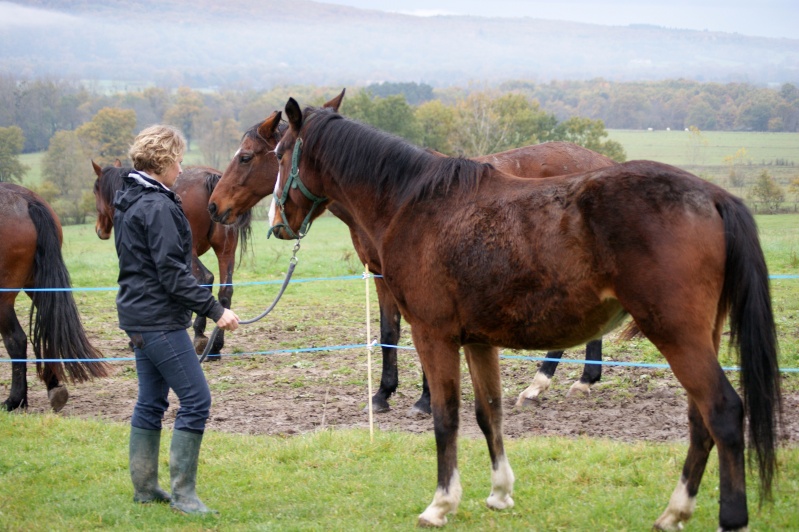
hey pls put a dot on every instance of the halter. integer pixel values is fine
(294, 181)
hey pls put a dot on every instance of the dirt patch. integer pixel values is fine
(294, 393)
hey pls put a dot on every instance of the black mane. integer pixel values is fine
(358, 153)
(112, 181)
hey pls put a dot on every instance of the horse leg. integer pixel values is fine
(441, 363)
(591, 372)
(204, 276)
(226, 263)
(541, 381)
(483, 363)
(683, 500)
(16, 344)
(389, 336)
(721, 410)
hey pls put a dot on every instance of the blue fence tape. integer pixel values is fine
(253, 283)
(354, 346)
(407, 348)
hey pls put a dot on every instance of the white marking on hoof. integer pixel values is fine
(58, 397)
(680, 509)
(444, 502)
(579, 388)
(502, 480)
(539, 385)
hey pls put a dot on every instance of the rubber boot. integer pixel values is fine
(183, 458)
(144, 447)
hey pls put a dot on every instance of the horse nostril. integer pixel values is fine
(212, 208)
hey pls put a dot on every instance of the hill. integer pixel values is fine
(204, 43)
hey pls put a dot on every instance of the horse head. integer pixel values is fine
(251, 174)
(294, 206)
(104, 199)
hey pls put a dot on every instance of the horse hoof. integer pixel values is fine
(9, 405)
(378, 407)
(58, 397)
(579, 388)
(427, 522)
(213, 358)
(199, 344)
(499, 503)
(524, 402)
(416, 412)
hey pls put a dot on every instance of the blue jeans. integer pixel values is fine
(164, 360)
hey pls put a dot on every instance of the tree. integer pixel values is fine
(218, 141)
(11, 143)
(767, 191)
(187, 108)
(696, 141)
(589, 134)
(67, 168)
(391, 114)
(485, 124)
(108, 135)
(436, 125)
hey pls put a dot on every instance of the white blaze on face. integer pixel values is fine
(273, 205)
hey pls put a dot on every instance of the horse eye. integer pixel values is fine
(245, 158)
(279, 155)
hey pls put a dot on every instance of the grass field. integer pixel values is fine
(70, 474)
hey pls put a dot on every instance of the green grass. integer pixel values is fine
(71, 474)
(675, 147)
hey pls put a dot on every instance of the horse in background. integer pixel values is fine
(30, 258)
(194, 186)
(552, 263)
(251, 176)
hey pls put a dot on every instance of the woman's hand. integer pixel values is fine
(229, 321)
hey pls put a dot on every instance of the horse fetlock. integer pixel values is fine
(58, 397)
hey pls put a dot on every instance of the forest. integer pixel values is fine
(72, 123)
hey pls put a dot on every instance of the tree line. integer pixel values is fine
(76, 122)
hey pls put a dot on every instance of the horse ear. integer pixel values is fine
(294, 114)
(268, 127)
(118, 163)
(335, 103)
(97, 169)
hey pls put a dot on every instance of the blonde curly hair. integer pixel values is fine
(156, 148)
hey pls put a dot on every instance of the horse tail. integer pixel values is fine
(56, 329)
(753, 333)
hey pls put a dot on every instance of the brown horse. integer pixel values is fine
(251, 176)
(194, 186)
(30, 258)
(552, 263)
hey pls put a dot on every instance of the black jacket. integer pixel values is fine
(157, 291)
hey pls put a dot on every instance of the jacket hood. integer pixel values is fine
(136, 185)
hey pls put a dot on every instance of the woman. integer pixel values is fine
(157, 295)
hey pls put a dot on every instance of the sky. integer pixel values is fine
(765, 18)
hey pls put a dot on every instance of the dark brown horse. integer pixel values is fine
(30, 258)
(194, 186)
(251, 176)
(553, 263)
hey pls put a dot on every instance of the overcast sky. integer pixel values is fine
(767, 18)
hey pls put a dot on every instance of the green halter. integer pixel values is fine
(294, 181)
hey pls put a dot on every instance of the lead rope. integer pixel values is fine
(292, 265)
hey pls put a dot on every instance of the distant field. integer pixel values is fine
(34, 162)
(680, 147)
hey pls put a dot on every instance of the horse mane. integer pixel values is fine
(112, 181)
(358, 153)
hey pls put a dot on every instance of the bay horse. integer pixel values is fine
(194, 187)
(552, 263)
(251, 176)
(30, 258)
